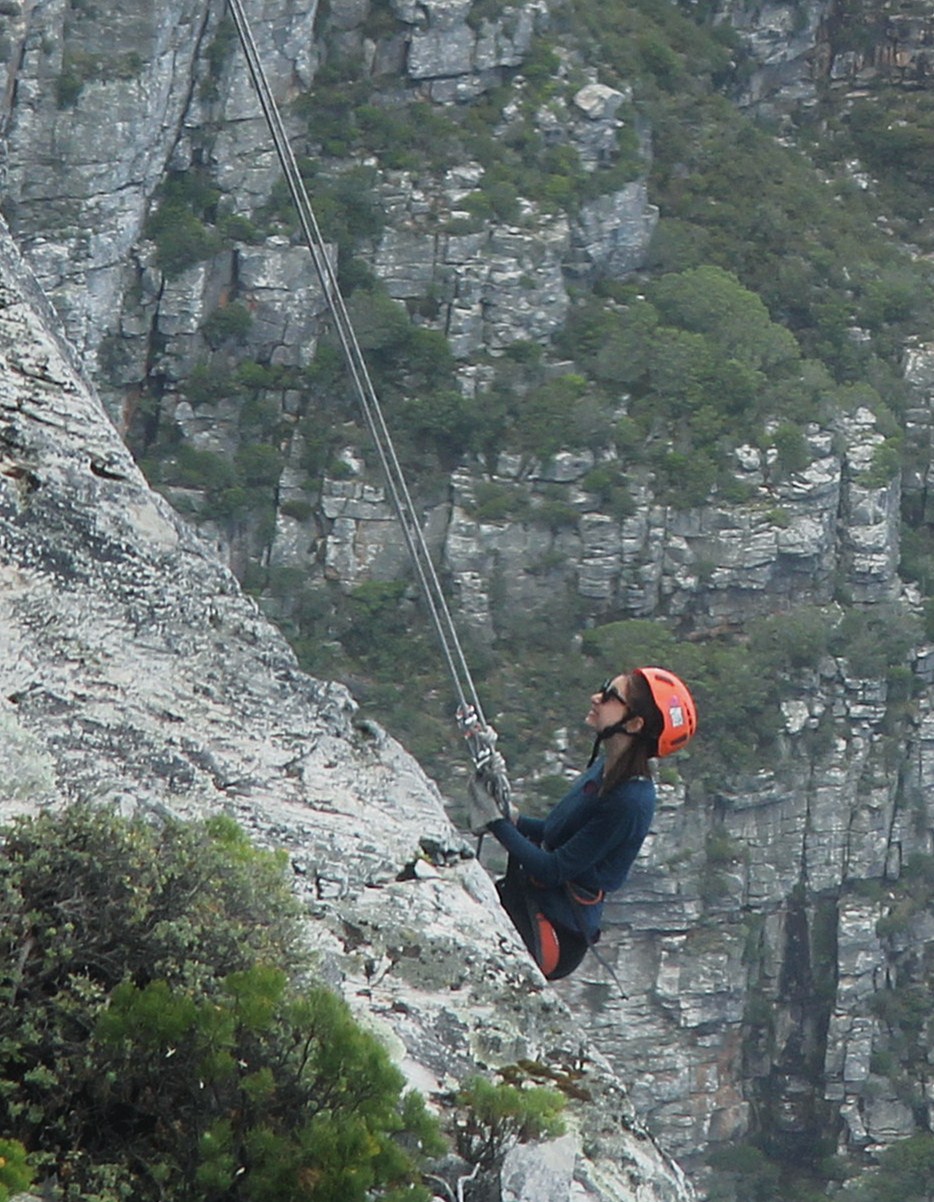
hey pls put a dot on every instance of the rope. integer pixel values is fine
(473, 723)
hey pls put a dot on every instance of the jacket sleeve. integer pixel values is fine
(606, 829)
(532, 828)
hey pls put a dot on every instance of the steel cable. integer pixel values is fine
(432, 592)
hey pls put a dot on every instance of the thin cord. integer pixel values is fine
(399, 493)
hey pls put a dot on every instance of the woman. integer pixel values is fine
(561, 867)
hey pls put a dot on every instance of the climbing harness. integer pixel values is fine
(577, 901)
(478, 734)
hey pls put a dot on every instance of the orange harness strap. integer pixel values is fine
(585, 899)
(549, 947)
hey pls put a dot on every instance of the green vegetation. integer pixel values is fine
(219, 52)
(152, 1047)
(345, 120)
(238, 488)
(743, 330)
(706, 368)
(182, 225)
(231, 323)
(79, 68)
(743, 1172)
(161, 1034)
(15, 1173)
(905, 1172)
(346, 205)
(498, 1116)
(889, 134)
(771, 300)
(533, 684)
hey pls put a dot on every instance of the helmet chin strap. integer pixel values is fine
(618, 728)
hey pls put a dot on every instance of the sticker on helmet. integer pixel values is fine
(675, 713)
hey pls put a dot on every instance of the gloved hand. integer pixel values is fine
(482, 807)
(467, 720)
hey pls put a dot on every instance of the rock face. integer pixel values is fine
(768, 935)
(798, 48)
(134, 673)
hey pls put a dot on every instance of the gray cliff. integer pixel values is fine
(135, 674)
(765, 937)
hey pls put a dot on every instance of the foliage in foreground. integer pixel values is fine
(152, 1047)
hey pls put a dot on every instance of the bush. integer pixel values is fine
(181, 238)
(544, 419)
(78, 68)
(494, 502)
(793, 452)
(180, 226)
(745, 1173)
(228, 324)
(904, 1175)
(875, 641)
(151, 1045)
(259, 465)
(191, 468)
(15, 1173)
(499, 1116)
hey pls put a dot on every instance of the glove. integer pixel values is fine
(468, 721)
(482, 806)
(489, 788)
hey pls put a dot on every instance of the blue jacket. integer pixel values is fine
(587, 840)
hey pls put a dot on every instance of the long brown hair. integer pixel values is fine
(643, 745)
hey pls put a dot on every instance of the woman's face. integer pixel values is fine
(609, 704)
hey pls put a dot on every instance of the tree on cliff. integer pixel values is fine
(153, 1046)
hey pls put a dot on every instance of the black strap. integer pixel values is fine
(617, 728)
(592, 943)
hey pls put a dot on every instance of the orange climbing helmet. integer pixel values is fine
(676, 706)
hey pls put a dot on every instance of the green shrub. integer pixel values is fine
(555, 514)
(69, 84)
(875, 641)
(608, 484)
(231, 323)
(885, 466)
(207, 383)
(15, 1173)
(440, 423)
(222, 46)
(544, 419)
(181, 238)
(905, 1172)
(79, 67)
(495, 502)
(259, 465)
(181, 225)
(485, 10)
(498, 1116)
(191, 468)
(151, 1045)
(378, 623)
(793, 452)
(743, 1172)
(786, 643)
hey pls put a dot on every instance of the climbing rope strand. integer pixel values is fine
(395, 479)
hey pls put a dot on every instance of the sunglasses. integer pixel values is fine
(609, 692)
